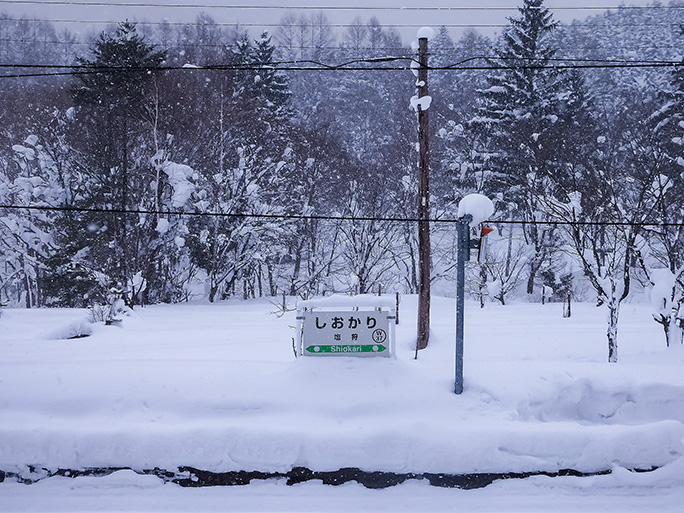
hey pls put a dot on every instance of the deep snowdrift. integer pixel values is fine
(217, 387)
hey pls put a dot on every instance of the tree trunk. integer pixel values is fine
(614, 312)
(483, 285)
(27, 285)
(535, 265)
(362, 282)
(674, 335)
(530, 279)
(213, 290)
(125, 171)
(296, 271)
(272, 287)
(509, 250)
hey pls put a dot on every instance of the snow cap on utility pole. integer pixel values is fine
(478, 206)
(425, 33)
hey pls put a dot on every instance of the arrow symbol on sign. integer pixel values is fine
(346, 348)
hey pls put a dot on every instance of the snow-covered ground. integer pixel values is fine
(216, 387)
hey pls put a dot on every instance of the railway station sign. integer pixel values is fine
(346, 333)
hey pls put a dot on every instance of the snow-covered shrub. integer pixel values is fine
(112, 311)
(556, 286)
(78, 328)
(135, 288)
(667, 298)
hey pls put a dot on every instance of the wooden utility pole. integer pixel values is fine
(423, 202)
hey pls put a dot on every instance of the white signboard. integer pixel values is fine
(346, 333)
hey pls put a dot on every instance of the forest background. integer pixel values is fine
(157, 161)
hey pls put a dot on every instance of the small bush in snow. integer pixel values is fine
(111, 312)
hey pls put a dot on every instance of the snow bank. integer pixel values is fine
(75, 329)
(217, 387)
(621, 491)
(339, 300)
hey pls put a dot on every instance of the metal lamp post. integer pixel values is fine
(463, 253)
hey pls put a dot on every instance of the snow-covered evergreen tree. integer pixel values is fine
(517, 123)
(269, 84)
(114, 114)
(455, 147)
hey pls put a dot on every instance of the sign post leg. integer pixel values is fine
(463, 246)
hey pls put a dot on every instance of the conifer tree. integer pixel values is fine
(516, 122)
(114, 117)
(269, 84)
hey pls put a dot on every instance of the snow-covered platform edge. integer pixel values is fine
(192, 477)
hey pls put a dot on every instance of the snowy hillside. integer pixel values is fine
(216, 387)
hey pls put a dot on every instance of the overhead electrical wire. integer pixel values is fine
(89, 3)
(456, 51)
(367, 60)
(307, 217)
(308, 25)
(317, 66)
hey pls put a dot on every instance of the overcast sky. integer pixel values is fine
(88, 16)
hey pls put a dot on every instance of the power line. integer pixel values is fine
(251, 66)
(315, 66)
(335, 25)
(215, 214)
(335, 8)
(438, 51)
(347, 50)
(367, 60)
(342, 50)
(305, 217)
